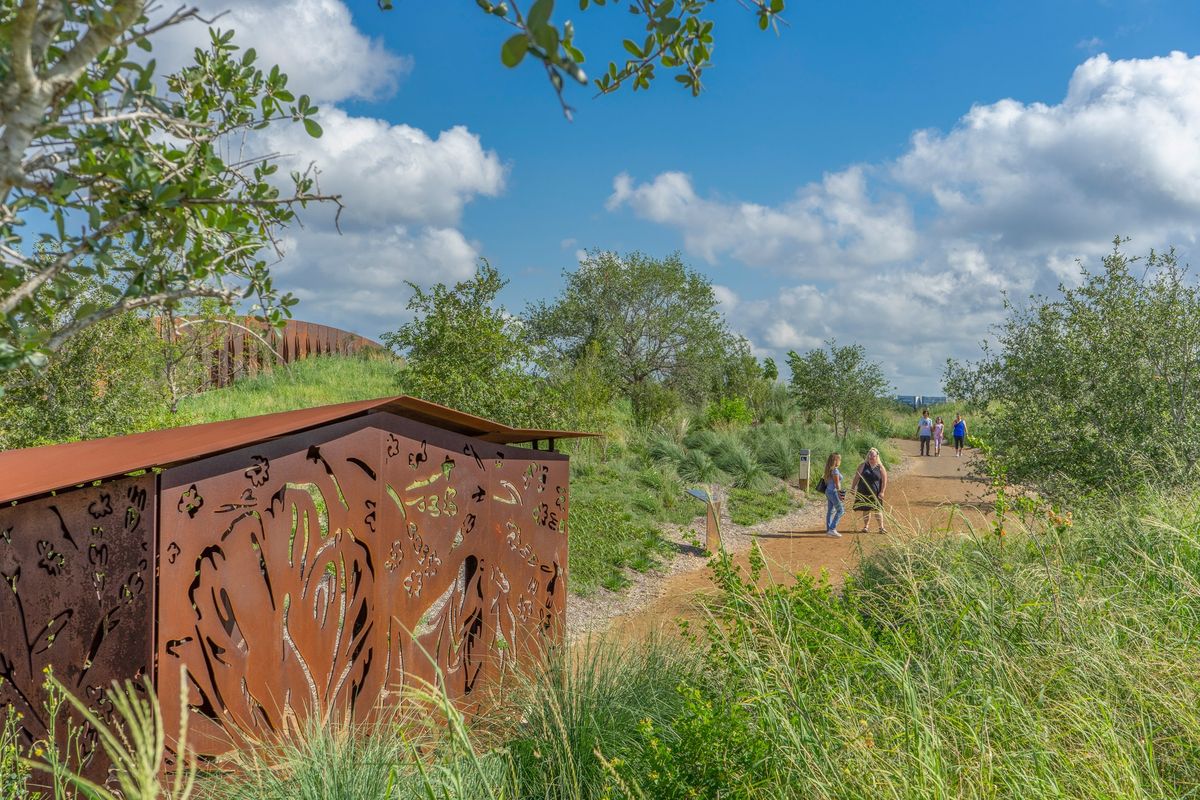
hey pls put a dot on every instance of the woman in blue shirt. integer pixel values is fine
(834, 508)
(960, 434)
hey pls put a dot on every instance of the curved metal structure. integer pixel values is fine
(306, 564)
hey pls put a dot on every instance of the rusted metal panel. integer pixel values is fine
(79, 575)
(39, 470)
(320, 573)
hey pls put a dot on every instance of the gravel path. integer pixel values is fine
(596, 612)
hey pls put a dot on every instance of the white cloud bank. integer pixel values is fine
(314, 42)
(404, 189)
(1009, 198)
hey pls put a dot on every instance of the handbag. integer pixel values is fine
(822, 485)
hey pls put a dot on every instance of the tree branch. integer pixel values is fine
(132, 303)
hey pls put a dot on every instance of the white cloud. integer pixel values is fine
(832, 224)
(357, 282)
(1010, 198)
(314, 42)
(393, 173)
(403, 189)
(404, 193)
(1120, 153)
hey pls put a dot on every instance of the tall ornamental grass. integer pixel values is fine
(1058, 661)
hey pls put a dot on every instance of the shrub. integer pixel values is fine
(662, 448)
(777, 458)
(729, 411)
(748, 507)
(736, 460)
(697, 467)
(1096, 388)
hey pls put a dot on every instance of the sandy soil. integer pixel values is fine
(924, 494)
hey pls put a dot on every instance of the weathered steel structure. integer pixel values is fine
(231, 349)
(279, 567)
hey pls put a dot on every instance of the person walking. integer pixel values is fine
(960, 434)
(939, 430)
(925, 431)
(870, 484)
(834, 508)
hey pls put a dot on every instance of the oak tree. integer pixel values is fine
(99, 153)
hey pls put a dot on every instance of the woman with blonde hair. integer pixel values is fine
(834, 508)
(870, 483)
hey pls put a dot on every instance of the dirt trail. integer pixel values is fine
(924, 494)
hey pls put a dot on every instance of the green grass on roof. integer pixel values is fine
(304, 384)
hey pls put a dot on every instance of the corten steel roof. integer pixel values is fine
(39, 470)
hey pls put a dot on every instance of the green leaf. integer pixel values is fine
(547, 39)
(514, 49)
(632, 48)
(539, 14)
(314, 130)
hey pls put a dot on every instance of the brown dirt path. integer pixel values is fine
(930, 494)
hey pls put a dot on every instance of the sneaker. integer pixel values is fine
(833, 534)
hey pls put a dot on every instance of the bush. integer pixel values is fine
(696, 466)
(736, 460)
(729, 411)
(750, 508)
(1096, 389)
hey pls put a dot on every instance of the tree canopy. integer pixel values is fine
(464, 350)
(840, 381)
(1100, 387)
(652, 324)
(98, 153)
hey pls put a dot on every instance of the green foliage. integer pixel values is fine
(104, 381)
(1099, 388)
(302, 384)
(653, 327)
(325, 763)
(729, 411)
(98, 156)
(674, 36)
(954, 668)
(696, 466)
(747, 507)
(712, 749)
(772, 450)
(592, 703)
(652, 402)
(841, 382)
(607, 536)
(14, 774)
(463, 350)
(133, 741)
(1055, 661)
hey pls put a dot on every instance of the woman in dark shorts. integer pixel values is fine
(960, 434)
(870, 485)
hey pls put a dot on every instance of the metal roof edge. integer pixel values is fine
(37, 471)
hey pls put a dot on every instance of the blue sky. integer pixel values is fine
(798, 181)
